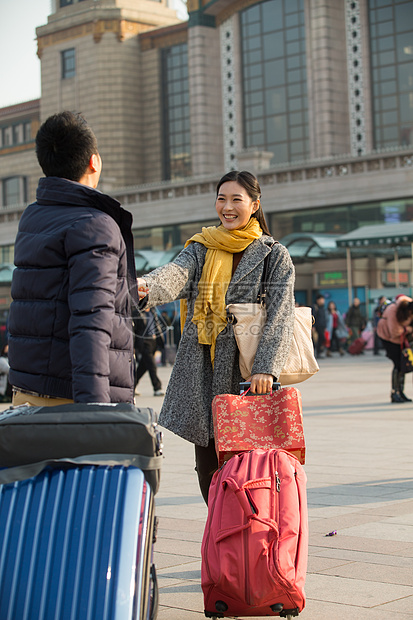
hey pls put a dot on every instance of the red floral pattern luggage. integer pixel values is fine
(265, 421)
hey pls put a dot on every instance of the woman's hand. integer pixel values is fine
(261, 384)
(143, 289)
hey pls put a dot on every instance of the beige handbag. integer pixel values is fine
(248, 324)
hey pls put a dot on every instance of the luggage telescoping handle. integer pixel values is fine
(245, 386)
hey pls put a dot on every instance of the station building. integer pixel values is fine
(313, 96)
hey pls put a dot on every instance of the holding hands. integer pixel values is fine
(143, 289)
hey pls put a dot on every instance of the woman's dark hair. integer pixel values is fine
(404, 310)
(64, 146)
(250, 184)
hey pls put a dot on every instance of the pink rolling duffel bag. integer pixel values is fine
(255, 545)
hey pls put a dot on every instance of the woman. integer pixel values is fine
(5, 387)
(336, 328)
(396, 322)
(218, 266)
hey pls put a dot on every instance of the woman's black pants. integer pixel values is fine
(206, 462)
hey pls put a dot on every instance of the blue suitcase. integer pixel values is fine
(76, 544)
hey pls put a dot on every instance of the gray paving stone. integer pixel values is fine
(355, 592)
(359, 468)
(363, 572)
(321, 610)
(374, 572)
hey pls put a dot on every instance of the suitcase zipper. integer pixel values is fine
(209, 530)
(246, 551)
(278, 576)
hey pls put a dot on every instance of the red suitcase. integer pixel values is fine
(255, 544)
(357, 346)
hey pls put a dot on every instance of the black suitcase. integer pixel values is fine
(101, 434)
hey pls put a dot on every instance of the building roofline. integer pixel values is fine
(164, 31)
(18, 108)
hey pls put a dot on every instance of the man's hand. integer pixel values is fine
(143, 289)
(261, 384)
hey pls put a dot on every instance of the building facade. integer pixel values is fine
(315, 97)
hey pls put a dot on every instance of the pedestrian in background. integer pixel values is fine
(320, 325)
(221, 265)
(336, 329)
(148, 340)
(355, 320)
(395, 323)
(377, 314)
(5, 387)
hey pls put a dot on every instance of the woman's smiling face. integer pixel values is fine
(234, 205)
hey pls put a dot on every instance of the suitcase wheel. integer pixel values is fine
(289, 613)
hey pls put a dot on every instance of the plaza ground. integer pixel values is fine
(360, 483)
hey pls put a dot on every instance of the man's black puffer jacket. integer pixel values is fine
(70, 320)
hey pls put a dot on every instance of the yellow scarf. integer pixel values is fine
(209, 311)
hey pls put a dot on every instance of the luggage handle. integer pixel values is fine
(248, 506)
(244, 390)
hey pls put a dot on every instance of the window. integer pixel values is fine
(68, 63)
(274, 79)
(18, 134)
(65, 3)
(391, 47)
(7, 136)
(7, 254)
(14, 191)
(12, 135)
(27, 131)
(342, 219)
(176, 126)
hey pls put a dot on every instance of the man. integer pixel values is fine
(71, 335)
(355, 320)
(320, 324)
(148, 339)
(378, 312)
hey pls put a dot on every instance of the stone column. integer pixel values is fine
(205, 100)
(327, 78)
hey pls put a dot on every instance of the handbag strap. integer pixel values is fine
(262, 293)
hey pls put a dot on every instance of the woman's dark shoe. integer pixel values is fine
(396, 397)
(400, 388)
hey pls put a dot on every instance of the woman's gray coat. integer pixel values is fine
(193, 384)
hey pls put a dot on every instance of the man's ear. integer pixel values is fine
(94, 163)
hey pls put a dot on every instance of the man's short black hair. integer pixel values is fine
(320, 296)
(64, 146)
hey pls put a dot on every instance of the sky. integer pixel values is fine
(19, 64)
